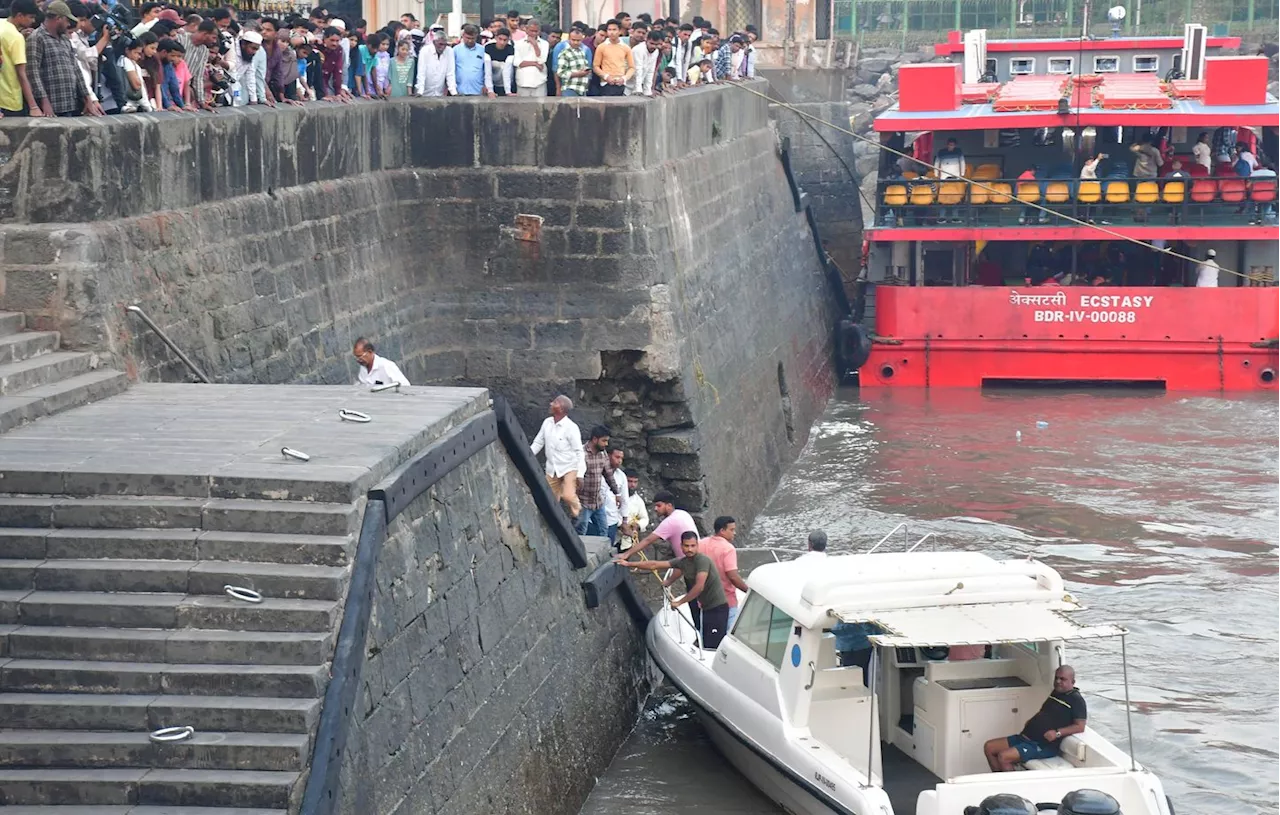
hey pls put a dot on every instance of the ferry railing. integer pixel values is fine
(1190, 201)
(902, 526)
(916, 545)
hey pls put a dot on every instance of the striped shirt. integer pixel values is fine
(53, 73)
(197, 56)
(573, 59)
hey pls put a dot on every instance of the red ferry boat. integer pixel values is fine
(1060, 203)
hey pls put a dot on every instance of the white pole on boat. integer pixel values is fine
(1128, 713)
(871, 719)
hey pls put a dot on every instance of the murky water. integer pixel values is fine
(1160, 511)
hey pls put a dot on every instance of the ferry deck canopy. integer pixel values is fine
(1183, 113)
(979, 624)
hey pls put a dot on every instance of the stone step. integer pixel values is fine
(101, 750)
(148, 712)
(42, 370)
(165, 789)
(12, 322)
(27, 344)
(182, 576)
(146, 610)
(46, 400)
(184, 646)
(150, 512)
(175, 544)
(68, 676)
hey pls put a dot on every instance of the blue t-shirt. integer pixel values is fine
(853, 636)
(468, 69)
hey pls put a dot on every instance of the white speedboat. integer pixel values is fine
(910, 740)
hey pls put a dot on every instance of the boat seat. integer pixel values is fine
(1090, 192)
(895, 195)
(1001, 193)
(1057, 192)
(1073, 753)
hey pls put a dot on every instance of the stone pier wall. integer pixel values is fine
(488, 687)
(643, 256)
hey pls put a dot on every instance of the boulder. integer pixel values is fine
(867, 92)
(874, 65)
(885, 83)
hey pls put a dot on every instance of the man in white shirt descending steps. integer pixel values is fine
(375, 370)
(635, 516)
(566, 462)
(613, 508)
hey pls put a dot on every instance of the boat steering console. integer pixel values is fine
(1077, 802)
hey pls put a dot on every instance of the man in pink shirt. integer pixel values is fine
(719, 547)
(675, 522)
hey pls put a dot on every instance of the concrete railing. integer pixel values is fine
(95, 169)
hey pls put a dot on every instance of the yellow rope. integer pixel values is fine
(989, 189)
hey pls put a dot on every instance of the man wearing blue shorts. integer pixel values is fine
(1062, 714)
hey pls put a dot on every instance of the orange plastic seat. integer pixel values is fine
(1029, 191)
(1204, 190)
(895, 195)
(921, 195)
(1263, 191)
(979, 194)
(951, 193)
(1233, 190)
(910, 174)
(1001, 193)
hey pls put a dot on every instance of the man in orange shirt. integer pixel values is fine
(614, 63)
(719, 547)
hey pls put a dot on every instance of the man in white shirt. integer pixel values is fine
(242, 53)
(531, 62)
(682, 52)
(435, 67)
(646, 56)
(1207, 271)
(613, 507)
(566, 461)
(1202, 153)
(635, 515)
(817, 546)
(375, 370)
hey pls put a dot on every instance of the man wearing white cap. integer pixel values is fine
(1208, 270)
(345, 43)
(252, 88)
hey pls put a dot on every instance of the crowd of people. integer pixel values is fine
(74, 57)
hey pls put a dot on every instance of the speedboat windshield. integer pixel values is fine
(979, 624)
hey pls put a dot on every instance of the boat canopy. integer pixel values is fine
(981, 624)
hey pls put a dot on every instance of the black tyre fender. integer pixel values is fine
(853, 345)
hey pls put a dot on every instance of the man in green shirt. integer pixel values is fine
(702, 584)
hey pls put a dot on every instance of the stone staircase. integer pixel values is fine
(36, 379)
(114, 623)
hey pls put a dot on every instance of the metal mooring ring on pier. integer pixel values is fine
(354, 416)
(242, 594)
(289, 452)
(380, 388)
(168, 735)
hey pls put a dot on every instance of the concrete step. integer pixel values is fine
(184, 646)
(55, 397)
(100, 750)
(150, 512)
(12, 322)
(27, 344)
(42, 370)
(143, 610)
(183, 576)
(175, 544)
(147, 712)
(68, 676)
(160, 788)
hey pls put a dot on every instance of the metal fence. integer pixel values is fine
(912, 23)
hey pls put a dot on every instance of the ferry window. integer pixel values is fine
(1106, 65)
(1019, 66)
(1146, 64)
(779, 632)
(752, 626)
(1062, 65)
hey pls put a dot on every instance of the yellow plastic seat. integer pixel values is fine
(1148, 192)
(1029, 192)
(1001, 193)
(895, 195)
(1175, 192)
(910, 174)
(951, 193)
(1117, 192)
(1090, 192)
(921, 195)
(1057, 192)
(979, 195)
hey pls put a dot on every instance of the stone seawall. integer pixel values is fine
(487, 687)
(642, 256)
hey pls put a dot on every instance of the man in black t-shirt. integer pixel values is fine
(704, 590)
(1063, 714)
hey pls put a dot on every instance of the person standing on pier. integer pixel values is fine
(635, 516)
(375, 370)
(562, 440)
(597, 477)
(613, 508)
(57, 85)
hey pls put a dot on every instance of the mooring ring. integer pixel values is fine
(386, 387)
(354, 416)
(241, 593)
(289, 452)
(167, 735)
